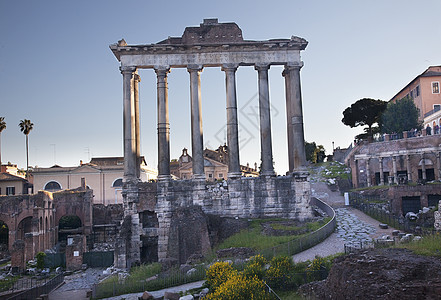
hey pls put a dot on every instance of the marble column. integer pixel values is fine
(423, 167)
(394, 167)
(368, 173)
(196, 122)
(266, 152)
(296, 140)
(136, 81)
(380, 160)
(438, 164)
(232, 123)
(129, 133)
(163, 124)
(408, 168)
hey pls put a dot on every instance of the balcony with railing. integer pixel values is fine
(434, 110)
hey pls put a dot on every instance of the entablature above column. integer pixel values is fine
(215, 59)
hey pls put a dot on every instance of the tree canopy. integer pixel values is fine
(314, 153)
(400, 116)
(363, 112)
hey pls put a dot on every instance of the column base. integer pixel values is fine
(198, 177)
(268, 174)
(300, 175)
(234, 175)
(164, 178)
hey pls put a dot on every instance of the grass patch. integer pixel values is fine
(428, 246)
(252, 237)
(335, 170)
(8, 283)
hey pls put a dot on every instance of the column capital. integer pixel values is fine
(194, 68)
(229, 67)
(293, 66)
(127, 69)
(262, 67)
(162, 71)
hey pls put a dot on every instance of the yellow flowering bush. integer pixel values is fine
(240, 287)
(312, 271)
(218, 273)
(255, 267)
(279, 273)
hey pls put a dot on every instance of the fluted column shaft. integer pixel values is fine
(380, 160)
(266, 151)
(296, 147)
(136, 81)
(196, 122)
(163, 124)
(232, 123)
(129, 133)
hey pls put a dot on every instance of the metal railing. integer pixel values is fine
(38, 290)
(302, 243)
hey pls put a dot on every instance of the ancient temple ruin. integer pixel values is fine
(153, 210)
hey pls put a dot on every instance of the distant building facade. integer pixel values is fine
(415, 159)
(104, 175)
(425, 92)
(215, 165)
(12, 185)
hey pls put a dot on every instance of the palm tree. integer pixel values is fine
(2, 127)
(26, 127)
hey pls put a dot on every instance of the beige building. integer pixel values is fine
(215, 165)
(12, 185)
(425, 92)
(103, 174)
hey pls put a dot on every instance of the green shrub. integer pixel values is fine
(40, 260)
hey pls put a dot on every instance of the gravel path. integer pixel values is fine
(353, 226)
(76, 285)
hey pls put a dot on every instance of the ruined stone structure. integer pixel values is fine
(414, 159)
(32, 220)
(212, 44)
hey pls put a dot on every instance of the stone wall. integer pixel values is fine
(283, 197)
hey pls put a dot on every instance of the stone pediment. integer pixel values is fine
(86, 169)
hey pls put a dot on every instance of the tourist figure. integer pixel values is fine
(436, 129)
(428, 130)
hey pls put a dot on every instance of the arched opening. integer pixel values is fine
(68, 225)
(52, 186)
(25, 226)
(4, 239)
(117, 186)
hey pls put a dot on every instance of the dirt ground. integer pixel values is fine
(379, 274)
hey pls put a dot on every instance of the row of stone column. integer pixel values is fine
(295, 132)
(395, 170)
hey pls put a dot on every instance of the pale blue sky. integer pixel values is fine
(56, 69)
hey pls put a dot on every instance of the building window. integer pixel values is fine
(221, 175)
(117, 183)
(435, 87)
(52, 186)
(10, 190)
(210, 175)
(411, 94)
(436, 107)
(417, 90)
